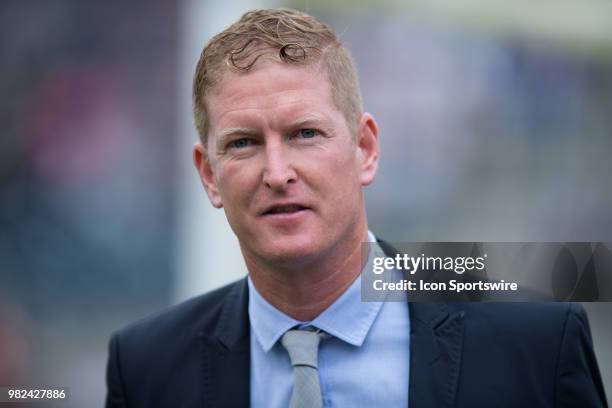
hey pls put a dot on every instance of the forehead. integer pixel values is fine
(271, 89)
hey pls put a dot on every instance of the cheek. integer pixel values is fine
(341, 178)
(236, 182)
(345, 165)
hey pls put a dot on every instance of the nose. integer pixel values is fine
(278, 171)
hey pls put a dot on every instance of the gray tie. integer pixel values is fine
(303, 347)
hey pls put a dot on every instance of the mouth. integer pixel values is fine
(284, 209)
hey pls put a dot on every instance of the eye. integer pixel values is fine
(307, 133)
(240, 143)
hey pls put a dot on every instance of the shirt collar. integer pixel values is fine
(348, 318)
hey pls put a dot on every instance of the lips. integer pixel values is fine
(284, 209)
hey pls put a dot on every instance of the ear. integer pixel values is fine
(367, 148)
(202, 164)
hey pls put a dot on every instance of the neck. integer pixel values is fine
(303, 291)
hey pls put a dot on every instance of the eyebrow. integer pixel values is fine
(309, 119)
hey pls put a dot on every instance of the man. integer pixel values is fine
(286, 151)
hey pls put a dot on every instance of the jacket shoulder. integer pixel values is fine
(142, 354)
(200, 313)
(528, 319)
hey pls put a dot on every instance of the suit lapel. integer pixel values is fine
(436, 344)
(226, 353)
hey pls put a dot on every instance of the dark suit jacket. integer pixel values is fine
(197, 354)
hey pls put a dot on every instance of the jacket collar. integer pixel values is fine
(225, 353)
(436, 344)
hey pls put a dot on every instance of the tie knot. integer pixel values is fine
(302, 346)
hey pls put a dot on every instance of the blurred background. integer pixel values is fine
(495, 119)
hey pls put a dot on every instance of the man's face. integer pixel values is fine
(283, 163)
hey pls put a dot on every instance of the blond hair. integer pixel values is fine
(291, 36)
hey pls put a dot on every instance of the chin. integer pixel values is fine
(291, 251)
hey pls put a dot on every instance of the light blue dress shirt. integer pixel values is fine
(365, 362)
